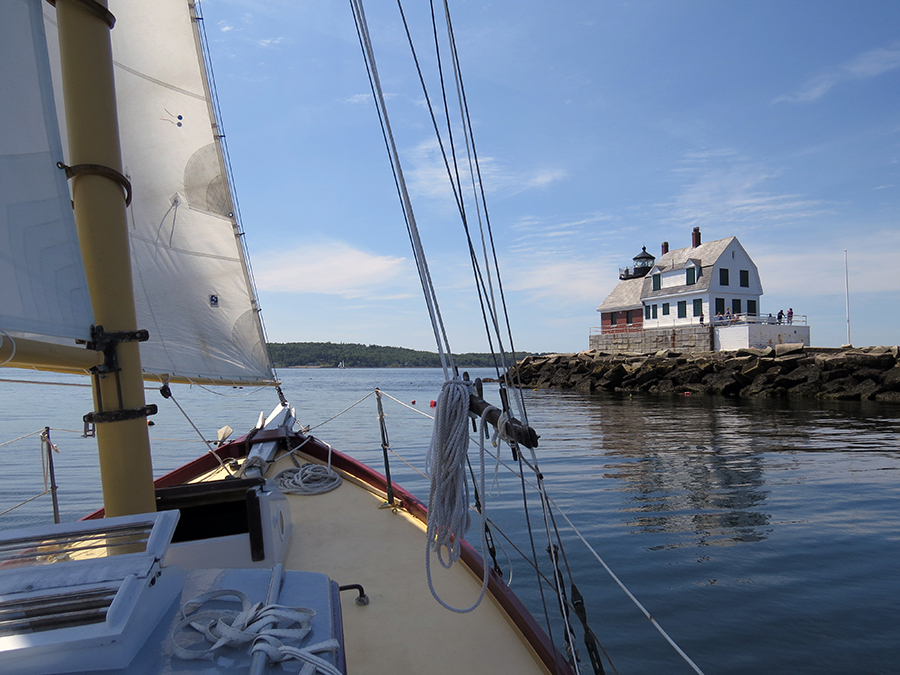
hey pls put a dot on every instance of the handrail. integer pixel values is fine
(715, 321)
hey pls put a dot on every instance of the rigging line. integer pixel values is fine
(252, 389)
(467, 121)
(447, 360)
(167, 393)
(455, 185)
(630, 595)
(454, 178)
(456, 181)
(534, 557)
(424, 414)
(334, 417)
(560, 591)
(409, 216)
(546, 581)
(57, 384)
(31, 499)
(434, 123)
(33, 433)
(468, 137)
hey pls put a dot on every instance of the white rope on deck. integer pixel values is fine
(263, 627)
(309, 479)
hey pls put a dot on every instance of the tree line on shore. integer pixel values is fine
(350, 355)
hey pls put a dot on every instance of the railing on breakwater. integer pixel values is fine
(717, 321)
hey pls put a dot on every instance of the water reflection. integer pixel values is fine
(694, 471)
(687, 470)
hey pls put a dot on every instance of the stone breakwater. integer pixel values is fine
(786, 370)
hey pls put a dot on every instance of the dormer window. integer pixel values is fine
(657, 282)
(691, 276)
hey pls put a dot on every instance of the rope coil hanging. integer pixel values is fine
(448, 500)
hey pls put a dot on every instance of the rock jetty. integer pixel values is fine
(787, 370)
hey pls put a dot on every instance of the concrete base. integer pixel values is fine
(759, 335)
(683, 339)
(701, 338)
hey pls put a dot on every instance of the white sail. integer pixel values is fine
(192, 287)
(43, 290)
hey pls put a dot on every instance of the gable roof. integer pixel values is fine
(707, 254)
(629, 293)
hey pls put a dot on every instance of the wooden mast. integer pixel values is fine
(120, 409)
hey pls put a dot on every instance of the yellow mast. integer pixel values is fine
(90, 101)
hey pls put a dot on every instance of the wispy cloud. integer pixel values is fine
(561, 281)
(724, 187)
(818, 268)
(336, 268)
(865, 66)
(427, 173)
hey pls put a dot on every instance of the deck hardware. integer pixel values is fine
(119, 415)
(99, 170)
(385, 446)
(107, 342)
(524, 435)
(590, 640)
(362, 599)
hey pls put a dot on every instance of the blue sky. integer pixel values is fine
(601, 127)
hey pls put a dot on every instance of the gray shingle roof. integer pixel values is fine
(707, 253)
(626, 295)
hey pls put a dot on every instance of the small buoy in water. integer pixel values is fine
(413, 402)
(432, 404)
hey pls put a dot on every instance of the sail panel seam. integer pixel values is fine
(161, 83)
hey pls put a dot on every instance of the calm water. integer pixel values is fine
(764, 536)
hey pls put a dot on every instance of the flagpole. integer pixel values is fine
(847, 293)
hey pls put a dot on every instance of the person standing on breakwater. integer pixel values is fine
(780, 316)
(790, 315)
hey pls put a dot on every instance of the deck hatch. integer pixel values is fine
(84, 596)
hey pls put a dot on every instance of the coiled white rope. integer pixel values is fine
(264, 627)
(448, 500)
(309, 479)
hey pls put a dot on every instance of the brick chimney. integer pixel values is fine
(695, 237)
(665, 247)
